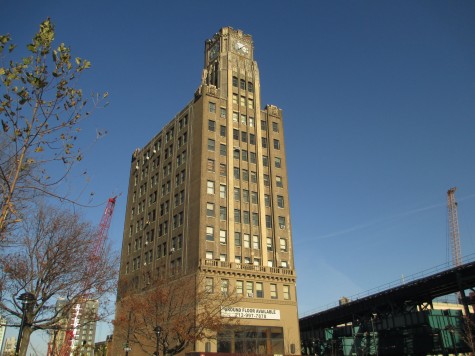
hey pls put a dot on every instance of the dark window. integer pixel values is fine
(211, 125)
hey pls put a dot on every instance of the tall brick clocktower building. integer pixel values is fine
(208, 195)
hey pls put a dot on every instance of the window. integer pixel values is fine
(209, 233)
(237, 194)
(266, 180)
(222, 149)
(235, 99)
(252, 157)
(282, 222)
(211, 144)
(209, 285)
(210, 187)
(242, 84)
(237, 238)
(280, 201)
(245, 174)
(239, 287)
(250, 103)
(222, 237)
(223, 257)
(283, 244)
(264, 142)
(276, 144)
(263, 125)
(246, 217)
(247, 240)
(255, 219)
(222, 113)
(250, 289)
(210, 209)
(275, 127)
(243, 119)
(211, 125)
(222, 170)
(222, 131)
(253, 177)
(286, 292)
(245, 196)
(243, 101)
(256, 245)
(270, 263)
(244, 155)
(278, 181)
(235, 115)
(269, 244)
(236, 134)
(284, 264)
(254, 198)
(235, 82)
(237, 215)
(210, 165)
(236, 173)
(212, 106)
(268, 222)
(209, 255)
(273, 291)
(277, 162)
(252, 139)
(251, 119)
(222, 191)
(224, 287)
(265, 161)
(222, 213)
(267, 200)
(259, 290)
(243, 136)
(237, 259)
(257, 261)
(250, 87)
(236, 153)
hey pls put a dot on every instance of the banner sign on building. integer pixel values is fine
(250, 313)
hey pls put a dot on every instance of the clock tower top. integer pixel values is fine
(228, 40)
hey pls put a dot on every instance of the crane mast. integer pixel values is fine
(454, 233)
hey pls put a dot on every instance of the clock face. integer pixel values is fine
(214, 51)
(241, 48)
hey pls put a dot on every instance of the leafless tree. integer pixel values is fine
(52, 259)
(185, 309)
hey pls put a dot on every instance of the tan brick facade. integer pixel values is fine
(208, 194)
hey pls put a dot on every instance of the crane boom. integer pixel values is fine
(94, 256)
(454, 233)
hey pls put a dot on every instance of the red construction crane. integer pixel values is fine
(95, 255)
(454, 233)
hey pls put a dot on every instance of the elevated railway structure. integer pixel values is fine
(395, 321)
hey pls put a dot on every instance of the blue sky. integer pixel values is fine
(378, 100)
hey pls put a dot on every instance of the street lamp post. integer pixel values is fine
(27, 301)
(157, 330)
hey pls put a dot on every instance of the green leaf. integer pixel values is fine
(39, 149)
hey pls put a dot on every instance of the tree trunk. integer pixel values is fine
(25, 340)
